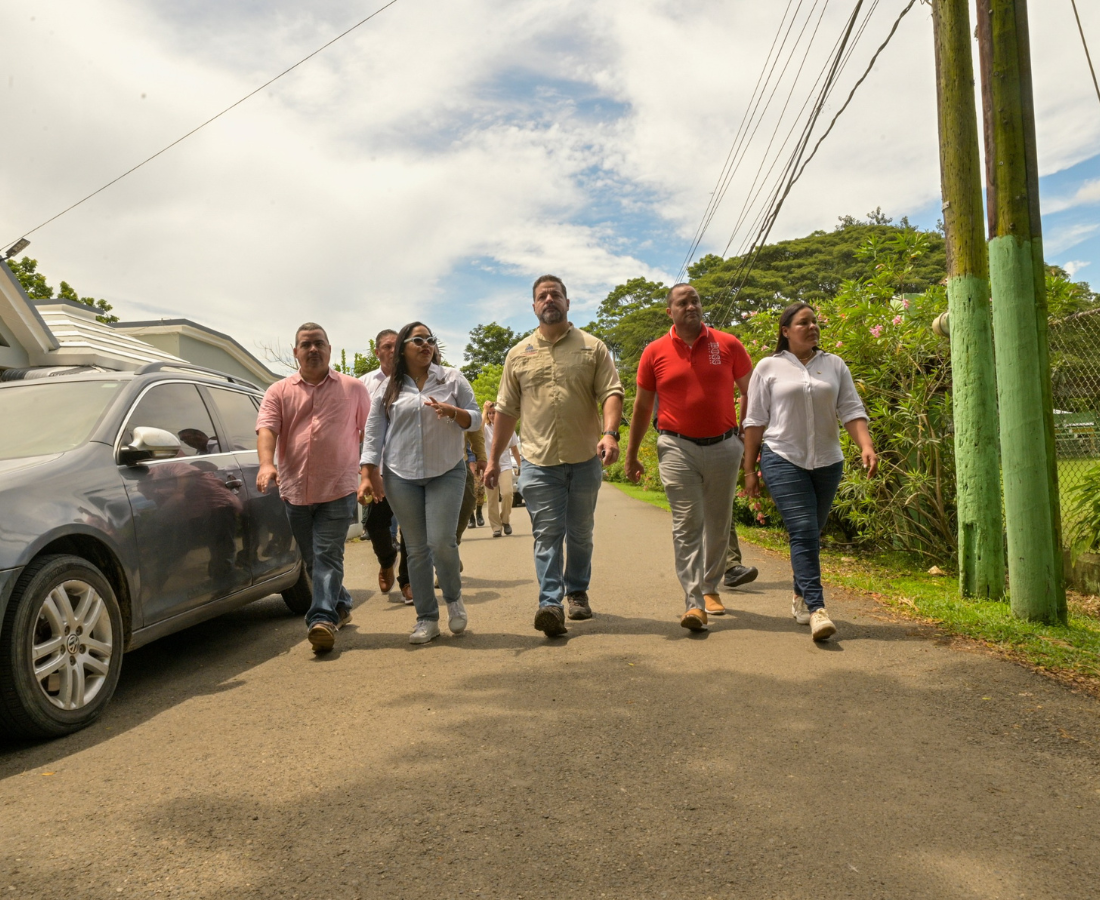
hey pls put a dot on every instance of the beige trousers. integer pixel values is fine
(499, 501)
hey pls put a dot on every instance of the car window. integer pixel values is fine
(50, 416)
(238, 412)
(177, 408)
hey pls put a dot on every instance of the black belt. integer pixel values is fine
(702, 442)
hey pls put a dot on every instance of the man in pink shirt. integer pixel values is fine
(314, 421)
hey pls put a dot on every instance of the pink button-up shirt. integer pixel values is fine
(318, 427)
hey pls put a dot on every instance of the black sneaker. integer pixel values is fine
(550, 620)
(578, 605)
(473, 522)
(480, 518)
(507, 528)
(738, 575)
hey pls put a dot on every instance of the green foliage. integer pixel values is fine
(361, 363)
(487, 383)
(34, 283)
(1082, 515)
(489, 345)
(1066, 297)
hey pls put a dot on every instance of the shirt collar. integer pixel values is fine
(540, 337)
(297, 378)
(704, 331)
(435, 375)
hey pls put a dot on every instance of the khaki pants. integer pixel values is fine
(499, 501)
(700, 483)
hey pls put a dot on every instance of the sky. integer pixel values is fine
(433, 162)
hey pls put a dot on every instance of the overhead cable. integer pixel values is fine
(198, 128)
(1084, 44)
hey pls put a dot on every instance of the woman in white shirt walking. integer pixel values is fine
(796, 397)
(500, 497)
(416, 427)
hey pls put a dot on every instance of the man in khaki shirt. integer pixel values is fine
(555, 380)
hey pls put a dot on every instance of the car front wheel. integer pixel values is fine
(60, 649)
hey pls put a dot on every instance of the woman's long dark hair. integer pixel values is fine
(785, 320)
(400, 368)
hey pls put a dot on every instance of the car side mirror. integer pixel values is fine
(149, 443)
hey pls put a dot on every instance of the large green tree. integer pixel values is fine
(488, 346)
(34, 283)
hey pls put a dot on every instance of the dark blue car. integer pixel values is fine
(128, 510)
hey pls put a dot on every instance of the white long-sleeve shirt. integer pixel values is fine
(412, 440)
(800, 406)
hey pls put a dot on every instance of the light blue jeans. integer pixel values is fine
(321, 530)
(561, 501)
(427, 509)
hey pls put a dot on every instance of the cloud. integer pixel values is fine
(1086, 195)
(1060, 239)
(365, 188)
(1074, 266)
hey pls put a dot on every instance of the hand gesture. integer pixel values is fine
(634, 469)
(491, 476)
(442, 410)
(268, 474)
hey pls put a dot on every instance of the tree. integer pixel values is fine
(489, 345)
(487, 384)
(34, 283)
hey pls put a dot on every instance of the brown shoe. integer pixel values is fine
(714, 605)
(695, 620)
(385, 579)
(550, 620)
(407, 594)
(344, 615)
(322, 636)
(578, 605)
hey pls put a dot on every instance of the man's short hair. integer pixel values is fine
(309, 326)
(384, 333)
(672, 290)
(542, 279)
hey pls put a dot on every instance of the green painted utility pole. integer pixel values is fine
(974, 397)
(1036, 583)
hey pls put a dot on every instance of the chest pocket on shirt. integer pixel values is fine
(577, 369)
(532, 371)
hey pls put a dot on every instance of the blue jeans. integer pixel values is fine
(561, 501)
(804, 497)
(427, 509)
(321, 530)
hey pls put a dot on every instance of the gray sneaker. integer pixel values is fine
(738, 575)
(457, 617)
(799, 611)
(550, 620)
(578, 605)
(425, 630)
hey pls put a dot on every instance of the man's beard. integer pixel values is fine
(551, 315)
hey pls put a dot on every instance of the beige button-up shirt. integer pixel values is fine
(556, 387)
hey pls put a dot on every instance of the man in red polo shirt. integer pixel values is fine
(692, 372)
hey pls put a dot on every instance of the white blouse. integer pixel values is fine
(412, 440)
(800, 405)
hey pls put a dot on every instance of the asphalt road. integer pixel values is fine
(629, 760)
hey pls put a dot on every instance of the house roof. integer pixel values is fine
(82, 340)
(23, 320)
(208, 336)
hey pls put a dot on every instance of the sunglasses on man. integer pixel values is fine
(421, 341)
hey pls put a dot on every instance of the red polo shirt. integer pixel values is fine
(694, 385)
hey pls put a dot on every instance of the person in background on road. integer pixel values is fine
(500, 497)
(556, 378)
(378, 519)
(694, 373)
(314, 421)
(416, 429)
(796, 397)
(737, 573)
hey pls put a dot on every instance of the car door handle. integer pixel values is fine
(233, 483)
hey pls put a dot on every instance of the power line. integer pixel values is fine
(1086, 46)
(268, 83)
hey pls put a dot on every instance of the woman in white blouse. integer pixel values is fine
(796, 398)
(416, 426)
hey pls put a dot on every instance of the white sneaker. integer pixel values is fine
(799, 611)
(425, 630)
(821, 626)
(457, 621)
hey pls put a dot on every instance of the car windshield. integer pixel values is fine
(50, 417)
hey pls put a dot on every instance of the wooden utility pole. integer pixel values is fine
(974, 399)
(1036, 582)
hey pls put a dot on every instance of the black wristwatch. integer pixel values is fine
(614, 434)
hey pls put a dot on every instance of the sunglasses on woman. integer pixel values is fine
(421, 341)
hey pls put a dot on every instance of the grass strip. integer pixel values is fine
(1070, 653)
